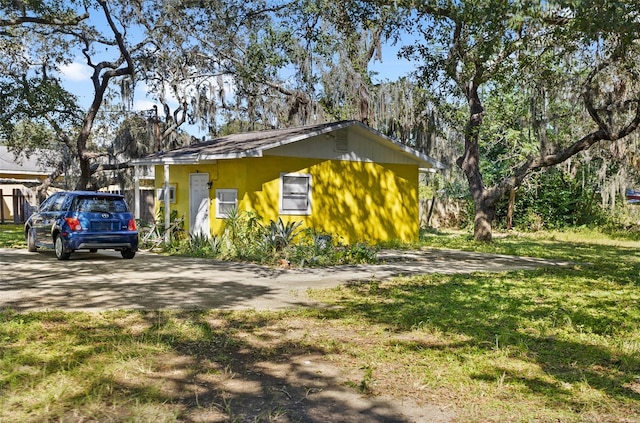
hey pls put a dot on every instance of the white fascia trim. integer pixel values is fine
(251, 153)
(165, 160)
(19, 181)
(427, 170)
(25, 172)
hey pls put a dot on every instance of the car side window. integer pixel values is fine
(66, 204)
(48, 203)
(57, 204)
(79, 204)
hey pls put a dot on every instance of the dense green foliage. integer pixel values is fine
(552, 200)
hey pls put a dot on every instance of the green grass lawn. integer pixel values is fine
(550, 345)
(12, 236)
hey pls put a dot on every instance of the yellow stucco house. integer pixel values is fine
(342, 178)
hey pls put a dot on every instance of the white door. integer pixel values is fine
(199, 204)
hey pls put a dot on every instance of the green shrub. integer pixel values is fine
(243, 236)
(200, 245)
(554, 200)
(278, 235)
(314, 248)
(356, 254)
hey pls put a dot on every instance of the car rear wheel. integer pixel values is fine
(31, 241)
(59, 247)
(128, 253)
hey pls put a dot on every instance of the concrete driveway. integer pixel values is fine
(103, 281)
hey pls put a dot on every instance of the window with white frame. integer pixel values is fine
(226, 202)
(172, 194)
(295, 193)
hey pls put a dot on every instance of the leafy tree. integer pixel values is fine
(262, 64)
(31, 88)
(469, 51)
(230, 67)
(223, 61)
(250, 65)
(15, 13)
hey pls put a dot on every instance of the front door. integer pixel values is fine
(199, 204)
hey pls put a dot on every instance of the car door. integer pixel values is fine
(37, 219)
(46, 218)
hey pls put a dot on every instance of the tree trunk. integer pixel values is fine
(85, 173)
(433, 202)
(483, 201)
(485, 212)
(512, 200)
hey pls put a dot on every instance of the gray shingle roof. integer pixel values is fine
(252, 144)
(23, 166)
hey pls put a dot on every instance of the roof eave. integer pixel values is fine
(432, 163)
(195, 158)
(422, 160)
(164, 160)
(241, 155)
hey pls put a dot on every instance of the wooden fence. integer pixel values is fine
(14, 207)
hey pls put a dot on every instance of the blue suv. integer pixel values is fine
(82, 220)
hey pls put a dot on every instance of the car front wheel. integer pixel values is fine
(31, 241)
(128, 253)
(59, 247)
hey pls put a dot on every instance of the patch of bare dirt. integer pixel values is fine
(303, 388)
(271, 375)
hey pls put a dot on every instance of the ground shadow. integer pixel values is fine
(239, 367)
(487, 310)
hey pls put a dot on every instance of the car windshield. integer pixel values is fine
(98, 204)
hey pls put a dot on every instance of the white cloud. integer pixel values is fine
(76, 72)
